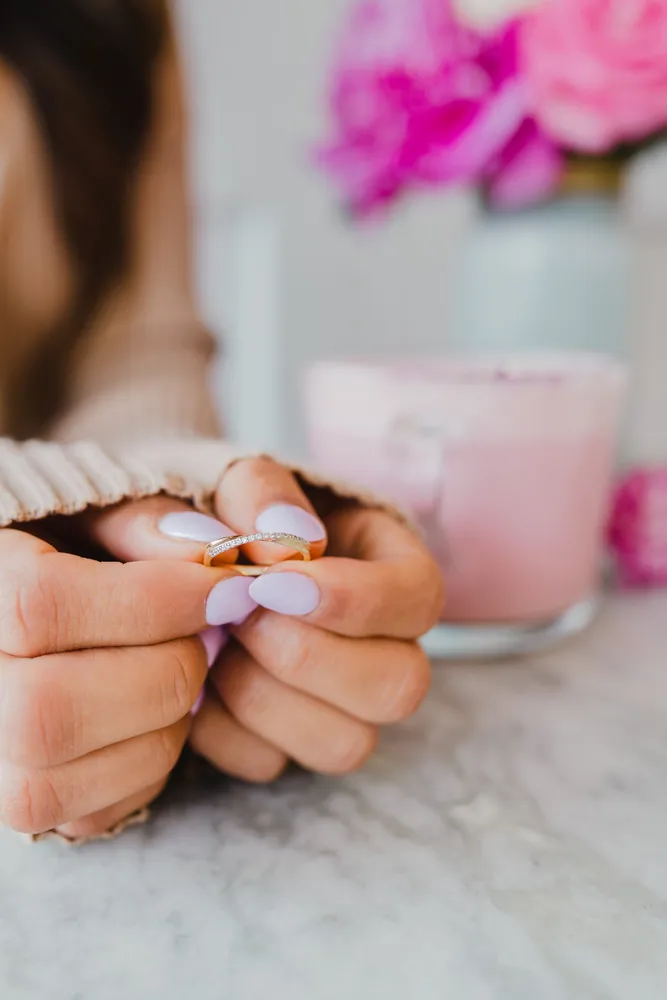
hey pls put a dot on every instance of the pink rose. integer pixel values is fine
(638, 528)
(417, 100)
(598, 70)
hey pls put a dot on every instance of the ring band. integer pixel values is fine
(220, 545)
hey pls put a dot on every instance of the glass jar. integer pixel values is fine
(505, 463)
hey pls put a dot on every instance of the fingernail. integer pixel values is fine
(214, 640)
(286, 593)
(196, 708)
(230, 603)
(292, 521)
(189, 525)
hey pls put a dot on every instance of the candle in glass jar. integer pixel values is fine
(506, 465)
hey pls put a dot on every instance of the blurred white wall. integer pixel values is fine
(284, 275)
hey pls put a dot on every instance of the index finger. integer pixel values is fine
(53, 602)
(391, 587)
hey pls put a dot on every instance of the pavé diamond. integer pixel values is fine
(261, 536)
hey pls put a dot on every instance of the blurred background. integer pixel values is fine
(286, 278)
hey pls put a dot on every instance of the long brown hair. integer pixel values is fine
(88, 66)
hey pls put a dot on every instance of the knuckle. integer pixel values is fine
(261, 468)
(350, 751)
(183, 678)
(405, 697)
(261, 465)
(34, 727)
(28, 801)
(28, 609)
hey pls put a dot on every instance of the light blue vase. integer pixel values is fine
(553, 276)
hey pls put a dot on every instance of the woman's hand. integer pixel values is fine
(336, 659)
(96, 680)
(333, 655)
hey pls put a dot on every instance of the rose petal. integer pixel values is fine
(529, 170)
(638, 528)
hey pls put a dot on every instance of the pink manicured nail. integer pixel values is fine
(230, 603)
(214, 640)
(293, 521)
(196, 708)
(189, 525)
(286, 593)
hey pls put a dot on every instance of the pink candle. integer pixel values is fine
(507, 466)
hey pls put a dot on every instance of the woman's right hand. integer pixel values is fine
(96, 682)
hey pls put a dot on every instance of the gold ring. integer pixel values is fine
(220, 545)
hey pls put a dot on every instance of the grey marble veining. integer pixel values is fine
(509, 843)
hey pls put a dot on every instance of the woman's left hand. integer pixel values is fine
(330, 654)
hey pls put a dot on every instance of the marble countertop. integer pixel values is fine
(508, 843)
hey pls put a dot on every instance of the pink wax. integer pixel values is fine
(507, 468)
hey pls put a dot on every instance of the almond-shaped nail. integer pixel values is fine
(197, 707)
(230, 603)
(286, 593)
(292, 521)
(214, 640)
(191, 526)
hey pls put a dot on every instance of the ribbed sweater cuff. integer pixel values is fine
(39, 478)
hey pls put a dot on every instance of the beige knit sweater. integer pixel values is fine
(137, 417)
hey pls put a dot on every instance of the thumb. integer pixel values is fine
(260, 495)
(154, 528)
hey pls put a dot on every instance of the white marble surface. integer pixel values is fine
(509, 843)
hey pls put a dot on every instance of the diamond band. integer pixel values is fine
(221, 545)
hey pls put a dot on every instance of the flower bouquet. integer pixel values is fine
(501, 94)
